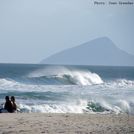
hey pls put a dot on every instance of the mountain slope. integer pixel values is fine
(101, 51)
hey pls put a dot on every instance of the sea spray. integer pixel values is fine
(77, 107)
(62, 75)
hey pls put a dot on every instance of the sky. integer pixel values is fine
(31, 30)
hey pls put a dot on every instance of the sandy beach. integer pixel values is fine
(36, 123)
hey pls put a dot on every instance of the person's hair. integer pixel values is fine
(7, 97)
(12, 98)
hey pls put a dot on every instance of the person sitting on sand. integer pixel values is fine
(8, 105)
(14, 106)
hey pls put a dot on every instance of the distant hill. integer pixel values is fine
(101, 51)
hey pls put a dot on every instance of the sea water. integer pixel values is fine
(68, 89)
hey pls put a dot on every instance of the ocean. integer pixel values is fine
(68, 89)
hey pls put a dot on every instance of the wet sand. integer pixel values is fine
(37, 123)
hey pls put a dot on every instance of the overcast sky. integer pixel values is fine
(31, 30)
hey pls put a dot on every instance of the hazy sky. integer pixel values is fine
(31, 30)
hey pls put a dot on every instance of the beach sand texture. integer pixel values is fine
(37, 123)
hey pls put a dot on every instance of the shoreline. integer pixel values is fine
(52, 123)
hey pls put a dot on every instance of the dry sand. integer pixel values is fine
(36, 123)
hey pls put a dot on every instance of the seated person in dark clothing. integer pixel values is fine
(8, 105)
(14, 106)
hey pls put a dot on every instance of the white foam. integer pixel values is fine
(117, 106)
(119, 83)
(79, 77)
(124, 106)
(85, 78)
(55, 108)
(5, 82)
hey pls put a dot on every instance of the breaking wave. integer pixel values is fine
(75, 78)
(56, 76)
(64, 76)
(12, 85)
(119, 83)
(82, 106)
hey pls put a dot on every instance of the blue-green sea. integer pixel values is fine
(68, 89)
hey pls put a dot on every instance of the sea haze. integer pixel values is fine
(68, 89)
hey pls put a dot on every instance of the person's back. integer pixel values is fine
(14, 106)
(8, 105)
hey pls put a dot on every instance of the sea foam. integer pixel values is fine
(68, 76)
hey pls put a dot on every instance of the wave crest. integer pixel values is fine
(62, 75)
(119, 83)
(82, 106)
